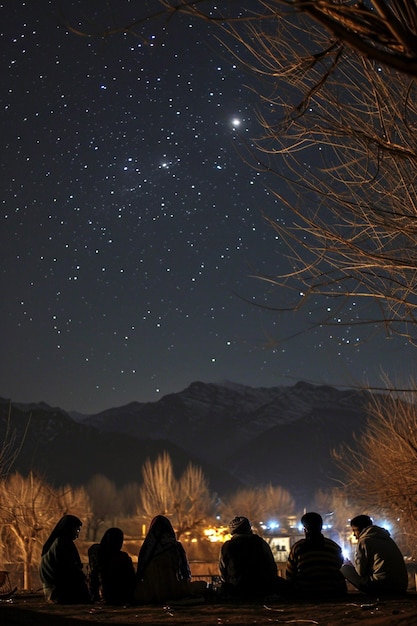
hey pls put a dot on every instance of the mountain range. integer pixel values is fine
(240, 436)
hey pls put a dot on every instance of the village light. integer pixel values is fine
(215, 535)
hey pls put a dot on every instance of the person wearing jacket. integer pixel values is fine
(247, 566)
(379, 565)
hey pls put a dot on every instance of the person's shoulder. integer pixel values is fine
(298, 544)
(261, 540)
(95, 547)
(374, 532)
(332, 543)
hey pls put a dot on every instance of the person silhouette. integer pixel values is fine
(379, 565)
(112, 575)
(313, 567)
(247, 565)
(163, 572)
(60, 569)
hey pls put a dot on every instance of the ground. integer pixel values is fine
(31, 610)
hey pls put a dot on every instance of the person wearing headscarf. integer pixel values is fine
(61, 570)
(313, 567)
(247, 566)
(112, 575)
(163, 571)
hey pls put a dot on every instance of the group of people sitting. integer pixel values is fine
(316, 569)
(163, 571)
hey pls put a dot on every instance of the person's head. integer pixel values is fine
(312, 523)
(160, 525)
(68, 528)
(112, 540)
(240, 525)
(359, 523)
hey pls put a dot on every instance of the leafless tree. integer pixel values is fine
(158, 488)
(384, 30)
(260, 505)
(104, 502)
(339, 147)
(337, 509)
(10, 445)
(194, 502)
(129, 497)
(75, 501)
(28, 511)
(381, 471)
(186, 501)
(337, 108)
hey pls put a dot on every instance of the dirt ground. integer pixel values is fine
(31, 610)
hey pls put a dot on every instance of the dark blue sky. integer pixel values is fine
(131, 228)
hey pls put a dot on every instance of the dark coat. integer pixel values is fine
(247, 566)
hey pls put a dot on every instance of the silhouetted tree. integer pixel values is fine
(384, 30)
(337, 108)
(194, 503)
(259, 504)
(381, 472)
(337, 509)
(104, 502)
(339, 149)
(129, 496)
(186, 501)
(28, 510)
(9, 445)
(158, 488)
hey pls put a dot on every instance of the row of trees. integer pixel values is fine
(30, 507)
(380, 480)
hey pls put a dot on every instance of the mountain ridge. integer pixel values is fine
(239, 435)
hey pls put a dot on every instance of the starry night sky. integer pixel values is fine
(132, 228)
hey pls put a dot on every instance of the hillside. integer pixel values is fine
(239, 436)
(67, 452)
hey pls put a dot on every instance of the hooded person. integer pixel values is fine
(60, 569)
(379, 566)
(247, 566)
(112, 575)
(313, 567)
(163, 571)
